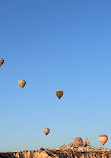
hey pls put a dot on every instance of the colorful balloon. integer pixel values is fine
(59, 93)
(1, 62)
(22, 83)
(103, 138)
(46, 130)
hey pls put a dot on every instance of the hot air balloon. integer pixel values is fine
(21, 83)
(1, 62)
(59, 93)
(103, 138)
(46, 130)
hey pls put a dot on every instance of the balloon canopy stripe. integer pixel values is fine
(103, 136)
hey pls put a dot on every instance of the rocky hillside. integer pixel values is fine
(76, 149)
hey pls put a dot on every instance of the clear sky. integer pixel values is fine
(54, 44)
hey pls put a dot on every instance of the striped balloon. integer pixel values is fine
(103, 138)
(21, 83)
(1, 62)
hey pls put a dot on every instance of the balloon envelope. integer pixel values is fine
(1, 61)
(59, 93)
(103, 138)
(46, 130)
(21, 83)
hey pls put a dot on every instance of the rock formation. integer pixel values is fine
(78, 142)
(76, 149)
(86, 143)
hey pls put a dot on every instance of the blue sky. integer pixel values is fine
(54, 45)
